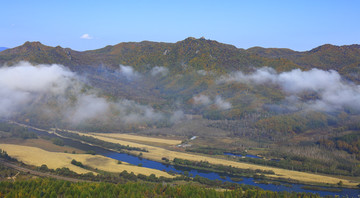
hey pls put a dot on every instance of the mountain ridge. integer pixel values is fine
(191, 54)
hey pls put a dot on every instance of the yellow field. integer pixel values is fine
(156, 153)
(40, 143)
(169, 142)
(36, 156)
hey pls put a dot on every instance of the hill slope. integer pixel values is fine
(192, 54)
(344, 59)
(184, 55)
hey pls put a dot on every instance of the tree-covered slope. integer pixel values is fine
(192, 54)
(189, 54)
(344, 59)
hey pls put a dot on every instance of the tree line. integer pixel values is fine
(98, 142)
(58, 188)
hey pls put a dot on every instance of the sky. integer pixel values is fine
(83, 25)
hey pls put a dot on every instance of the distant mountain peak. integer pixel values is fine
(37, 53)
(202, 42)
(193, 39)
(32, 43)
(3, 48)
(324, 47)
(330, 47)
(29, 47)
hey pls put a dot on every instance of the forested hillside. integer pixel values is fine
(191, 53)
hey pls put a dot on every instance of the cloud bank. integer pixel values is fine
(56, 91)
(333, 92)
(22, 84)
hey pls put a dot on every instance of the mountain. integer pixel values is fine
(3, 48)
(325, 57)
(272, 52)
(36, 52)
(189, 54)
(344, 59)
(192, 54)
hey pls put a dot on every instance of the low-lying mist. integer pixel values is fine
(53, 91)
(124, 98)
(218, 102)
(331, 92)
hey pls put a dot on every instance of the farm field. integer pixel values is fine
(144, 139)
(37, 157)
(156, 153)
(42, 144)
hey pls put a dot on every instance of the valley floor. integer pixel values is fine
(167, 149)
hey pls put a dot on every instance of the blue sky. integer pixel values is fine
(299, 25)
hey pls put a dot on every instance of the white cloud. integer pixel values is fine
(129, 72)
(57, 91)
(333, 92)
(218, 102)
(202, 72)
(202, 99)
(221, 103)
(260, 76)
(158, 70)
(86, 36)
(42, 78)
(20, 85)
(89, 107)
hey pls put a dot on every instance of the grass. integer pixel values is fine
(37, 157)
(40, 143)
(156, 153)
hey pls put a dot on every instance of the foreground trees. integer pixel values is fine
(59, 188)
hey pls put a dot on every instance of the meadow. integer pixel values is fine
(53, 160)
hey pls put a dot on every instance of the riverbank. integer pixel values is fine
(157, 153)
